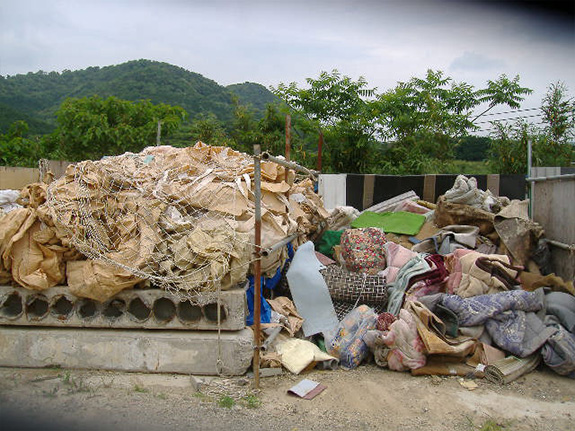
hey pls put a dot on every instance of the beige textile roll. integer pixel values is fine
(511, 368)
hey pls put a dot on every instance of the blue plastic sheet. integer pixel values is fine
(266, 283)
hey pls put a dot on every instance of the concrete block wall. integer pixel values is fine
(134, 308)
(186, 352)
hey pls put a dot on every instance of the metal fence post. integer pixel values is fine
(257, 264)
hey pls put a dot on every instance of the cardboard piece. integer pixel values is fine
(298, 355)
(307, 389)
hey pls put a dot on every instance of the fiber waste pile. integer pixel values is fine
(178, 218)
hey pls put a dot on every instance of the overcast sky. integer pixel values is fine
(276, 41)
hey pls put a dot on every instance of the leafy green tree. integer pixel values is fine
(508, 149)
(16, 149)
(343, 109)
(415, 125)
(433, 106)
(503, 91)
(208, 129)
(92, 127)
(559, 115)
(18, 129)
(551, 144)
(244, 128)
(268, 131)
(472, 148)
(430, 115)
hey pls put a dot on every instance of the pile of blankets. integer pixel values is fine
(466, 295)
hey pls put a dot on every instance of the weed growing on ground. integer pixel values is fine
(75, 384)
(226, 402)
(162, 396)
(141, 389)
(54, 367)
(490, 425)
(202, 397)
(51, 393)
(251, 401)
(66, 378)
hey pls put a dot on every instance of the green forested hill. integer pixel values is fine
(35, 97)
(255, 95)
(8, 116)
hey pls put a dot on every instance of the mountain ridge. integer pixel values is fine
(38, 95)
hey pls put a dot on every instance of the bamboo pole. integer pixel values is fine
(290, 165)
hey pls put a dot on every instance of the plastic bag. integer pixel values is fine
(346, 340)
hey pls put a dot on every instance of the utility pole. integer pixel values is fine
(159, 134)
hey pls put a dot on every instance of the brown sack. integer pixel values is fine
(98, 280)
(531, 282)
(35, 265)
(449, 213)
(27, 251)
(286, 307)
(12, 223)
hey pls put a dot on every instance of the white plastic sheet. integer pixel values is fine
(309, 291)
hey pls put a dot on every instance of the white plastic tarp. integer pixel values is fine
(309, 291)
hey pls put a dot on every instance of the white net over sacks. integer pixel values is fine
(182, 218)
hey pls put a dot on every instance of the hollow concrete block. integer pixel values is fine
(187, 352)
(133, 308)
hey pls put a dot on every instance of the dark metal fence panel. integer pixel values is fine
(363, 191)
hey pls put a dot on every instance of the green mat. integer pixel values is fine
(401, 222)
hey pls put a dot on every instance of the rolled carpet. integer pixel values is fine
(511, 368)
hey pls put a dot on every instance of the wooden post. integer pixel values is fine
(429, 187)
(319, 150)
(288, 143)
(288, 137)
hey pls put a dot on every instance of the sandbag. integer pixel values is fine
(98, 280)
(30, 251)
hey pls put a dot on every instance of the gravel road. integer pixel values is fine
(368, 398)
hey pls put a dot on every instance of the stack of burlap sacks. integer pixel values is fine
(182, 218)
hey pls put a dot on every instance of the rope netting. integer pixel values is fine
(182, 218)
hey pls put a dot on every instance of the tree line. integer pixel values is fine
(422, 125)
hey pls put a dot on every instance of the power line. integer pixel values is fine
(511, 112)
(511, 118)
(490, 129)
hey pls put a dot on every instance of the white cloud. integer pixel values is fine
(476, 62)
(277, 41)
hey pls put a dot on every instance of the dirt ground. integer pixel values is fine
(368, 398)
